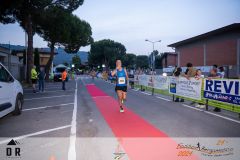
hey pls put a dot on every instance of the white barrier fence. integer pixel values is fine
(222, 90)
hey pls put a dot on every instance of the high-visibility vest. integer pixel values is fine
(64, 75)
(33, 74)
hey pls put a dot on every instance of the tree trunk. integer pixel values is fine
(49, 63)
(30, 48)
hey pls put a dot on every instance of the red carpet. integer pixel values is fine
(139, 139)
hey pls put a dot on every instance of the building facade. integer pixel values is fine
(220, 47)
(11, 62)
(169, 59)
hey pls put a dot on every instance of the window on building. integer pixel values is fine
(41, 60)
(1, 59)
(4, 75)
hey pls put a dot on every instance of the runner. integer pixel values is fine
(121, 83)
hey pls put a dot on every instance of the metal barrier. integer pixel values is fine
(208, 102)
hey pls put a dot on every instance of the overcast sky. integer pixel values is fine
(132, 21)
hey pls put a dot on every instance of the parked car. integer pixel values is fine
(58, 74)
(11, 93)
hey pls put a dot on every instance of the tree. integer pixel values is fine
(106, 52)
(26, 13)
(37, 59)
(66, 64)
(76, 61)
(158, 62)
(142, 62)
(59, 27)
(80, 35)
(129, 60)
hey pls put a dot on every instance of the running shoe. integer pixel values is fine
(121, 110)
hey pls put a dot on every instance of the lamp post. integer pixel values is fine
(153, 55)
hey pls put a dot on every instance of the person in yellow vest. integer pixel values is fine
(34, 76)
(64, 78)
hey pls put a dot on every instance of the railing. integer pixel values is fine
(221, 93)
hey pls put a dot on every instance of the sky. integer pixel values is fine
(130, 22)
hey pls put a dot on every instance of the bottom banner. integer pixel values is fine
(152, 148)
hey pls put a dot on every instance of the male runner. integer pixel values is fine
(121, 83)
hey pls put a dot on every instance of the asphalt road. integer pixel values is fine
(69, 124)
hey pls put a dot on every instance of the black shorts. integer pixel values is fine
(34, 81)
(121, 88)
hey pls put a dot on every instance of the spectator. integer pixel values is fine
(190, 72)
(34, 76)
(221, 72)
(64, 78)
(186, 72)
(41, 78)
(177, 74)
(174, 70)
(199, 76)
(215, 66)
(214, 75)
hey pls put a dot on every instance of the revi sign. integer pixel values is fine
(224, 90)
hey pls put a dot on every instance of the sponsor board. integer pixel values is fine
(186, 88)
(143, 80)
(224, 90)
(160, 82)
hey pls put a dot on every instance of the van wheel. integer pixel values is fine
(18, 105)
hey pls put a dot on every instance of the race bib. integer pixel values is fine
(121, 80)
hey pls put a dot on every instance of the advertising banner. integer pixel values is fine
(186, 88)
(143, 80)
(160, 82)
(224, 90)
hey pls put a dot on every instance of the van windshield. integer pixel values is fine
(60, 69)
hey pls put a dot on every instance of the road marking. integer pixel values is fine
(72, 143)
(30, 89)
(67, 104)
(135, 90)
(192, 108)
(230, 119)
(49, 92)
(214, 114)
(47, 97)
(165, 99)
(146, 93)
(35, 134)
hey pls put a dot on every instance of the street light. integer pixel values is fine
(153, 55)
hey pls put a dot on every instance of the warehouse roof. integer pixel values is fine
(226, 29)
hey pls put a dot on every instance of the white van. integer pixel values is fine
(11, 93)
